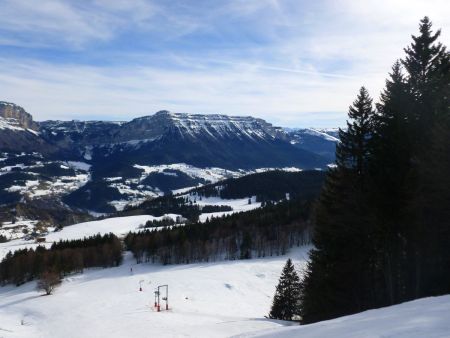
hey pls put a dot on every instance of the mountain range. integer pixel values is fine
(103, 165)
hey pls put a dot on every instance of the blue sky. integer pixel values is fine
(293, 63)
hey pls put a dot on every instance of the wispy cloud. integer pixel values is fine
(73, 23)
(122, 92)
(289, 61)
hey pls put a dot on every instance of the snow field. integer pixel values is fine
(220, 299)
(427, 317)
(117, 225)
(120, 225)
(212, 175)
(238, 205)
(205, 300)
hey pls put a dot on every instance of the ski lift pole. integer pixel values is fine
(157, 305)
(166, 298)
(159, 308)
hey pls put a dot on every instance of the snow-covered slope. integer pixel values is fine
(205, 300)
(427, 317)
(194, 125)
(118, 225)
(320, 141)
(217, 125)
(30, 175)
(238, 205)
(224, 299)
(209, 175)
(11, 124)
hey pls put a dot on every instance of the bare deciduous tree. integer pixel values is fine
(48, 282)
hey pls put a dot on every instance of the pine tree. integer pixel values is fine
(286, 301)
(428, 75)
(352, 153)
(382, 234)
(246, 246)
(423, 64)
(337, 280)
(389, 192)
(431, 206)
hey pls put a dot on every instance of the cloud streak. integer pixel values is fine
(290, 62)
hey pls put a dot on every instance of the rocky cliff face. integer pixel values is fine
(10, 111)
(19, 133)
(197, 125)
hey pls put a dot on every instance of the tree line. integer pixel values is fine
(267, 186)
(170, 204)
(62, 258)
(382, 231)
(268, 231)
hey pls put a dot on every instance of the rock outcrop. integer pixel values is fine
(10, 111)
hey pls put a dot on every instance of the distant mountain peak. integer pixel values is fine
(196, 125)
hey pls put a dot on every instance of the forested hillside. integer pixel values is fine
(171, 204)
(268, 231)
(268, 186)
(62, 258)
(282, 222)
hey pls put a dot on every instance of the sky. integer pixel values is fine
(295, 63)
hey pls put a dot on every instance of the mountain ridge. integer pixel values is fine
(114, 162)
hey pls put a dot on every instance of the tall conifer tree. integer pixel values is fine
(428, 76)
(286, 301)
(389, 166)
(428, 64)
(337, 279)
(391, 196)
(424, 66)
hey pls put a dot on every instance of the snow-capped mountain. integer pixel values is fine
(94, 164)
(149, 128)
(319, 141)
(197, 125)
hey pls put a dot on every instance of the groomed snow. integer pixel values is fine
(427, 317)
(206, 300)
(222, 299)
